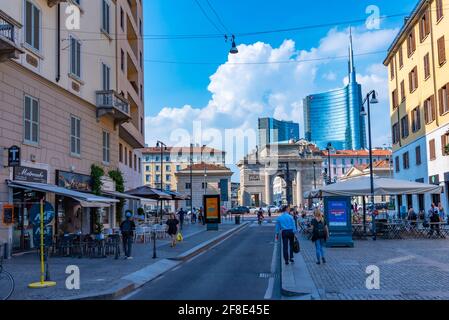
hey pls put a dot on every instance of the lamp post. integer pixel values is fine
(163, 147)
(314, 176)
(329, 148)
(371, 98)
(205, 172)
(191, 178)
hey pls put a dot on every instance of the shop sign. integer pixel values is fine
(35, 219)
(30, 174)
(254, 177)
(107, 184)
(74, 181)
(14, 156)
(434, 180)
(8, 214)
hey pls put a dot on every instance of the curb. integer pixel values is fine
(134, 281)
(296, 280)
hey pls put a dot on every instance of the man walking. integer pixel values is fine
(181, 214)
(127, 229)
(287, 227)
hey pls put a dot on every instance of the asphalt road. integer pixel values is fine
(239, 268)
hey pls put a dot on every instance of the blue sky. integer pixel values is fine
(223, 96)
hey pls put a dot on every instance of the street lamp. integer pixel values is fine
(163, 147)
(314, 176)
(371, 98)
(191, 179)
(329, 148)
(205, 170)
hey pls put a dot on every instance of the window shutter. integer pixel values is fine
(432, 106)
(441, 51)
(443, 145)
(410, 82)
(432, 149)
(441, 101)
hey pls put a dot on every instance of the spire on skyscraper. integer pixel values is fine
(352, 73)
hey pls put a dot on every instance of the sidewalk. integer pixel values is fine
(101, 274)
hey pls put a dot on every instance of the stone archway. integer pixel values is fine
(294, 162)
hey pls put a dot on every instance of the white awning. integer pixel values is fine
(121, 195)
(79, 196)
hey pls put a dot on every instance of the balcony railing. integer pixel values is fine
(109, 102)
(9, 35)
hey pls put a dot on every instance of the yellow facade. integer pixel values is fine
(427, 86)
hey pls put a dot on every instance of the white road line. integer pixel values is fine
(269, 292)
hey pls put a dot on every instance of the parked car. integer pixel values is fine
(253, 210)
(239, 210)
(273, 209)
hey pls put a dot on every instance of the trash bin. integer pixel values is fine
(237, 219)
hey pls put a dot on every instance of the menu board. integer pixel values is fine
(212, 208)
(8, 214)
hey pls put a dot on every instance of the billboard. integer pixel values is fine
(212, 212)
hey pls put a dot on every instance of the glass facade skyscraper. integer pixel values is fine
(334, 116)
(273, 131)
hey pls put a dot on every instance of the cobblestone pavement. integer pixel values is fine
(409, 269)
(98, 274)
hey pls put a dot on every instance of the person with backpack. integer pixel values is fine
(286, 226)
(320, 233)
(434, 218)
(127, 228)
(181, 214)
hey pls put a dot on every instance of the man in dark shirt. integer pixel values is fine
(127, 229)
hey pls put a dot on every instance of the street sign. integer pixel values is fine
(14, 156)
(49, 213)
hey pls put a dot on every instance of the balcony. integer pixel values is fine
(111, 103)
(52, 3)
(9, 35)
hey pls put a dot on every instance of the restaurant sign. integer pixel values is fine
(27, 174)
(74, 181)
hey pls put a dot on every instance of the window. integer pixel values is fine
(135, 163)
(75, 57)
(432, 151)
(122, 19)
(106, 147)
(402, 91)
(424, 26)
(426, 66)
(411, 43)
(413, 79)
(140, 27)
(167, 168)
(401, 58)
(158, 178)
(418, 155)
(122, 60)
(445, 144)
(125, 156)
(440, 12)
(405, 161)
(188, 185)
(141, 125)
(31, 120)
(130, 159)
(395, 133)
(429, 110)
(120, 152)
(392, 69)
(204, 185)
(105, 22)
(397, 164)
(404, 127)
(395, 99)
(75, 135)
(443, 95)
(147, 178)
(441, 51)
(167, 177)
(141, 59)
(106, 75)
(147, 168)
(32, 25)
(158, 168)
(178, 167)
(416, 119)
(334, 161)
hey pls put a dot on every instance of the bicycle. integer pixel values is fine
(6, 282)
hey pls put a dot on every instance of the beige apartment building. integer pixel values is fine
(163, 167)
(69, 98)
(419, 108)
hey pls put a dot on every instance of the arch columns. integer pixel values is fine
(268, 189)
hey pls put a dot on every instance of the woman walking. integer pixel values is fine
(172, 231)
(320, 234)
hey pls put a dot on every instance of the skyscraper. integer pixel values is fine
(275, 131)
(334, 116)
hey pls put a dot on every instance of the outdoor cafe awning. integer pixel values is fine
(382, 186)
(121, 195)
(177, 196)
(87, 199)
(149, 193)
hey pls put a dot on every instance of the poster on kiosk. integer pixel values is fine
(337, 212)
(212, 212)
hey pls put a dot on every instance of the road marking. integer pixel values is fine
(399, 259)
(269, 292)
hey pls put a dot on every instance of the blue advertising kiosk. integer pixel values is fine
(337, 211)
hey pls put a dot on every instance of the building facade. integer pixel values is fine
(66, 103)
(175, 159)
(419, 101)
(341, 161)
(193, 180)
(334, 116)
(275, 131)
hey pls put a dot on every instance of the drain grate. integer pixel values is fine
(268, 275)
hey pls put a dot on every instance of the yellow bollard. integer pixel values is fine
(42, 283)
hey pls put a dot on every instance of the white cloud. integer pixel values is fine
(241, 93)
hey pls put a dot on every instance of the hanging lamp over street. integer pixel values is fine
(234, 49)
